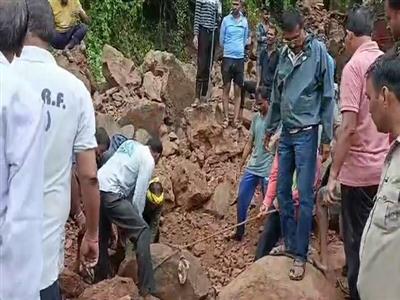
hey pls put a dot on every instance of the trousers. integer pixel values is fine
(52, 292)
(120, 211)
(270, 235)
(297, 151)
(205, 50)
(357, 203)
(72, 37)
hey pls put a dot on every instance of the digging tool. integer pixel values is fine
(211, 60)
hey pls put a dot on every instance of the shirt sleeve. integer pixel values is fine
(24, 157)
(246, 34)
(85, 138)
(274, 112)
(350, 89)
(142, 184)
(222, 33)
(272, 183)
(328, 95)
(197, 13)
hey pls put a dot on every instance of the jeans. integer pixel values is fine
(270, 235)
(52, 292)
(297, 151)
(247, 188)
(357, 203)
(122, 213)
(72, 37)
(205, 50)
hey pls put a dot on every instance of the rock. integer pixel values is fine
(114, 288)
(189, 185)
(269, 276)
(164, 174)
(142, 136)
(199, 249)
(71, 284)
(128, 131)
(144, 114)
(196, 286)
(152, 86)
(172, 136)
(169, 148)
(178, 82)
(108, 123)
(220, 200)
(119, 70)
(163, 130)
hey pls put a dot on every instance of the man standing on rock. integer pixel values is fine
(206, 19)
(360, 149)
(69, 129)
(302, 98)
(21, 165)
(233, 39)
(379, 263)
(124, 180)
(258, 168)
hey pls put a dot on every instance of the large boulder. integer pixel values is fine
(119, 70)
(111, 289)
(196, 287)
(204, 131)
(189, 185)
(152, 86)
(269, 276)
(71, 284)
(145, 114)
(112, 127)
(220, 200)
(177, 82)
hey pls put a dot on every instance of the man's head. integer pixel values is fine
(271, 35)
(156, 148)
(155, 193)
(359, 27)
(293, 30)
(383, 91)
(262, 100)
(265, 15)
(103, 143)
(13, 27)
(392, 8)
(236, 7)
(41, 28)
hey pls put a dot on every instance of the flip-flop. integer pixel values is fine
(280, 251)
(297, 271)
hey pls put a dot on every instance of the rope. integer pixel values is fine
(180, 248)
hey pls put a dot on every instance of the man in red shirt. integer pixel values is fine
(360, 149)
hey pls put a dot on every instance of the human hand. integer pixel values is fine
(196, 41)
(266, 141)
(89, 253)
(276, 204)
(263, 211)
(325, 151)
(331, 187)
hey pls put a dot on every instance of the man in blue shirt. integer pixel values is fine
(302, 98)
(233, 39)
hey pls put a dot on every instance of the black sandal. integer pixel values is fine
(298, 270)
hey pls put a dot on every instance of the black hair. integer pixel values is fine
(292, 18)
(13, 25)
(262, 93)
(156, 187)
(155, 145)
(394, 4)
(41, 20)
(360, 20)
(102, 137)
(385, 71)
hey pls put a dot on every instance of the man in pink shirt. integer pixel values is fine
(360, 150)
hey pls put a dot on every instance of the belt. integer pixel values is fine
(297, 130)
(209, 30)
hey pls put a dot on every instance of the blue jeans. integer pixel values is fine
(247, 188)
(52, 292)
(297, 152)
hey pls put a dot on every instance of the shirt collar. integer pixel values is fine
(367, 46)
(3, 59)
(36, 54)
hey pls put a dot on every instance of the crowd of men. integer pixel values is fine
(52, 156)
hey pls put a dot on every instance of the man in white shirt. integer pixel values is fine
(69, 129)
(128, 172)
(21, 165)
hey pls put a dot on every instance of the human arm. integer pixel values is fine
(222, 34)
(261, 38)
(247, 39)
(274, 111)
(84, 17)
(145, 172)
(327, 101)
(249, 145)
(272, 183)
(197, 13)
(259, 67)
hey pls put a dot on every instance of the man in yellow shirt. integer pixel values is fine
(70, 31)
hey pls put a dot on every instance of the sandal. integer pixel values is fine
(281, 251)
(298, 270)
(196, 103)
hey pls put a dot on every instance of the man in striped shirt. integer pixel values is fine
(207, 16)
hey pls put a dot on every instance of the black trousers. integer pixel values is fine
(72, 37)
(357, 203)
(249, 86)
(203, 59)
(270, 235)
(52, 292)
(122, 213)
